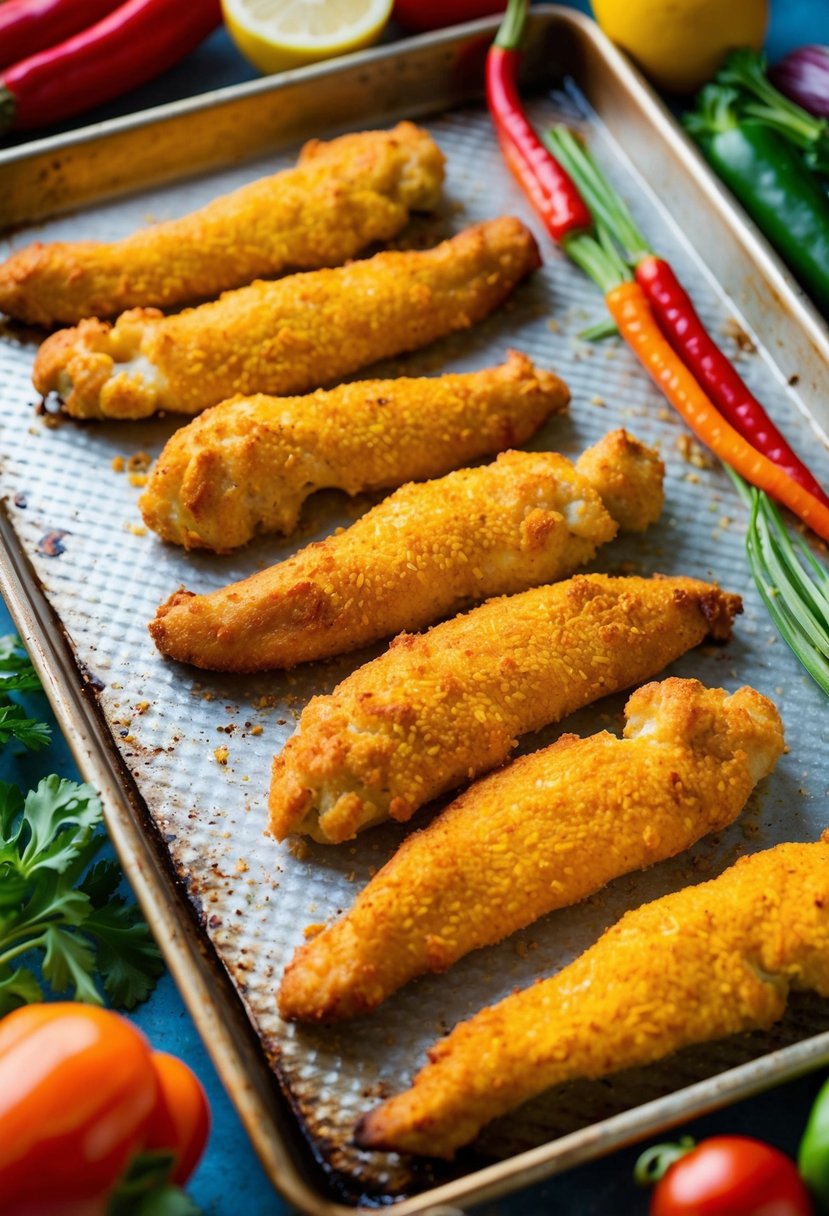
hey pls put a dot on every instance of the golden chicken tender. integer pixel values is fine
(246, 466)
(422, 553)
(537, 835)
(341, 196)
(709, 961)
(439, 708)
(285, 337)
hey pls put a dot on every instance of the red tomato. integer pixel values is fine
(180, 1121)
(77, 1089)
(435, 14)
(732, 1176)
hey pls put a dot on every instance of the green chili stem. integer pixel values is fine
(654, 1163)
(511, 30)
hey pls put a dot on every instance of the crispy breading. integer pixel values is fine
(340, 197)
(439, 708)
(246, 466)
(538, 835)
(620, 469)
(424, 552)
(285, 337)
(703, 963)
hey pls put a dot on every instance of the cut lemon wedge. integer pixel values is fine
(279, 34)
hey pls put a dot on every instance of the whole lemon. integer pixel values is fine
(680, 44)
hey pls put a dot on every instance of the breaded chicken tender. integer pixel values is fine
(424, 552)
(538, 835)
(290, 336)
(439, 708)
(709, 961)
(341, 196)
(247, 466)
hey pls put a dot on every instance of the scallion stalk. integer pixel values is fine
(792, 583)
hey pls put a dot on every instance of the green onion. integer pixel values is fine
(793, 585)
(610, 211)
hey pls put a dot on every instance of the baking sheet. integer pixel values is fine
(76, 517)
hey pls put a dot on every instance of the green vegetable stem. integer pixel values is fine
(813, 1154)
(769, 178)
(745, 71)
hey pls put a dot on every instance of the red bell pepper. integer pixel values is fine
(136, 42)
(29, 26)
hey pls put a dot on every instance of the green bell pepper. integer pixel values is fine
(772, 182)
(813, 1154)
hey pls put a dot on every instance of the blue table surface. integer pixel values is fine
(229, 1179)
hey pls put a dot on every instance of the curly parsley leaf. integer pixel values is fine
(56, 901)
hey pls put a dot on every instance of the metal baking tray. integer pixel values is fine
(82, 578)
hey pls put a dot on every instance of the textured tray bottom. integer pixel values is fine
(76, 517)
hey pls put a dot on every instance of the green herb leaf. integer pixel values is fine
(18, 988)
(101, 882)
(70, 961)
(167, 1201)
(11, 804)
(126, 955)
(55, 901)
(13, 658)
(146, 1191)
(58, 815)
(15, 725)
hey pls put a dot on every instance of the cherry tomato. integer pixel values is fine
(423, 15)
(180, 1120)
(732, 1176)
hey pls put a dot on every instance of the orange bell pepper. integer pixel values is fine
(82, 1097)
(77, 1089)
(181, 1121)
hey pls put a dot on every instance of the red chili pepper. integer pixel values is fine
(136, 42)
(29, 26)
(631, 311)
(546, 184)
(686, 333)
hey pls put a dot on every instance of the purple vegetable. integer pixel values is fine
(803, 75)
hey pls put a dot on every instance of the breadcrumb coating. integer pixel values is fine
(424, 552)
(290, 336)
(709, 961)
(340, 197)
(622, 468)
(246, 466)
(542, 833)
(439, 708)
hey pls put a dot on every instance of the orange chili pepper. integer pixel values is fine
(629, 307)
(77, 1088)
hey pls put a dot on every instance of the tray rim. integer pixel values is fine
(188, 953)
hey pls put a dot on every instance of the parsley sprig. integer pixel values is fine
(58, 904)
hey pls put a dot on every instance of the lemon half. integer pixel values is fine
(279, 34)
